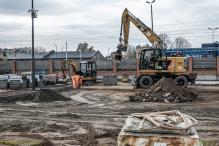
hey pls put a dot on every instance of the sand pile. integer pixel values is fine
(46, 95)
(165, 90)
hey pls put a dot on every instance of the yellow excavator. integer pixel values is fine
(88, 69)
(154, 63)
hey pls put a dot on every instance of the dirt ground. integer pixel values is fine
(95, 117)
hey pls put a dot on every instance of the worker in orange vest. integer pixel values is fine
(77, 81)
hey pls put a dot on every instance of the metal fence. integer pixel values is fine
(127, 65)
(22, 66)
(205, 63)
(6, 65)
(104, 65)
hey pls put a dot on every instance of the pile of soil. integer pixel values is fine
(165, 90)
(46, 95)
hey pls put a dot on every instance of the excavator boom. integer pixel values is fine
(128, 17)
(75, 69)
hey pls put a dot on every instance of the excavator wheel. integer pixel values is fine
(182, 81)
(146, 82)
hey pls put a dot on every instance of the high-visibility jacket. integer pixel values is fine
(77, 81)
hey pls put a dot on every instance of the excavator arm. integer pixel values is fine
(128, 17)
(73, 63)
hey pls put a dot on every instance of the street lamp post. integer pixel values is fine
(80, 52)
(56, 51)
(33, 15)
(108, 52)
(213, 32)
(151, 17)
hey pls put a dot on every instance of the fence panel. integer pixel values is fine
(205, 63)
(127, 65)
(22, 66)
(6, 65)
(104, 65)
(42, 64)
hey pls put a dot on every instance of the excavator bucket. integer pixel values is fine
(116, 56)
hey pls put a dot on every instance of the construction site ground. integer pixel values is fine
(96, 114)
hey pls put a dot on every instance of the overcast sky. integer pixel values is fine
(97, 22)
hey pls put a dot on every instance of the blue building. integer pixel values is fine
(209, 50)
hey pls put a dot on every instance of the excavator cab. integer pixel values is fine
(89, 71)
(153, 59)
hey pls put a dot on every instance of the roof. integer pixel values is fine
(72, 55)
(18, 50)
(191, 49)
(215, 44)
(54, 55)
(23, 56)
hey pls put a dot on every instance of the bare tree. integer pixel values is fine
(166, 39)
(182, 43)
(39, 49)
(84, 47)
(36, 49)
(130, 52)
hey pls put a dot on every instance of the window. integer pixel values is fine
(152, 59)
(84, 69)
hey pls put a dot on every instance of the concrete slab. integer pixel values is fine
(5, 90)
(131, 134)
(79, 97)
(119, 86)
(206, 82)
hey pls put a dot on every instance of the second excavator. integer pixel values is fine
(154, 63)
(88, 69)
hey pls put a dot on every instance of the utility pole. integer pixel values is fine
(108, 52)
(56, 51)
(66, 51)
(151, 17)
(80, 52)
(33, 15)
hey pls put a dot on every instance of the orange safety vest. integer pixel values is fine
(77, 81)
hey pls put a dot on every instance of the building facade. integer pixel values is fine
(208, 50)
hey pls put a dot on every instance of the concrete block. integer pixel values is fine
(132, 135)
(4, 84)
(41, 77)
(113, 79)
(40, 83)
(15, 84)
(24, 84)
(57, 78)
(110, 79)
(29, 83)
(50, 78)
